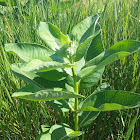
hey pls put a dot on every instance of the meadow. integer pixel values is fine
(119, 20)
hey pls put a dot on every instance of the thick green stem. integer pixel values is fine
(76, 89)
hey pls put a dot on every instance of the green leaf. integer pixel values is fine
(59, 132)
(91, 79)
(53, 75)
(86, 71)
(69, 87)
(42, 66)
(44, 136)
(33, 78)
(35, 93)
(52, 36)
(84, 29)
(26, 76)
(57, 58)
(45, 127)
(96, 47)
(78, 65)
(29, 52)
(117, 51)
(60, 105)
(109, 100)
(83, 48)
(70, 81)
(87, 117)
(74, 134)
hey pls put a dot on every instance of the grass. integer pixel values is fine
(119, 19)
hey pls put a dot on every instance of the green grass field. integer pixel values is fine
(119, 19)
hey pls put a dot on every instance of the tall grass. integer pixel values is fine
(119, 19)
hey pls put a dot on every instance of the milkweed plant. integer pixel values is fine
(56, 73)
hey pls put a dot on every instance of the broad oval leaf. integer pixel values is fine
(42, 66)
(87, 117)
(35, 93)
(83, 48)
(29, 52)
(33, 78)
(84, 29)
(52, 36)
(59, 132)
(117, 51)
(109, 100)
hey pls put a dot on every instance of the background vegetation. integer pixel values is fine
(19, 19)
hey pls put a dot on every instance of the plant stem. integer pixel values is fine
(76, 114)
(76, 89)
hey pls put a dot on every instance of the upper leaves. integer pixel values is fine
(81, 37)
(61, 47)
